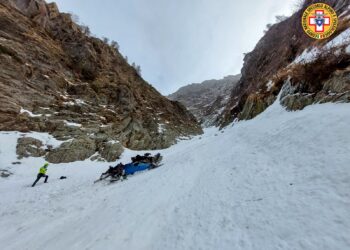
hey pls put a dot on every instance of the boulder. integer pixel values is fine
(5, 173)
(29, 147)
(292, 99)
(78, 149)
(297, 101)
(111, 151)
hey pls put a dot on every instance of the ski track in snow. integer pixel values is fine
(279, 181)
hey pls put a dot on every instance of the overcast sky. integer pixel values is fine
(178, 42)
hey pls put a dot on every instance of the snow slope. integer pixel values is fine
(279, 181)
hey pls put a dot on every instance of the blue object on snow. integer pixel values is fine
(132, 168)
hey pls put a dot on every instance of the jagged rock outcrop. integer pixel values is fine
(313, 71)
(77, 149)
(111, 151)
(56, 78)
(206, 100)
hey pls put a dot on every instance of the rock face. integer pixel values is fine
(206, 100)
(56, 78)
(111, 151)
(78, 149)
(312, 71)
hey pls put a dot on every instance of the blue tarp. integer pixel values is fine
(132, 168)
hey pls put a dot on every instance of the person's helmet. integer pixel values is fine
(46, 165)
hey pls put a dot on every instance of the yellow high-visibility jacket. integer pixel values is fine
(42, 170)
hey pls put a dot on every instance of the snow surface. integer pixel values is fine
(29, 113)
(341, 39)
(269, 85)
(347, 50)
(279, 181)
(308, 56)
(74, 124)
(70, 103)
(161, 128)
(80, 102)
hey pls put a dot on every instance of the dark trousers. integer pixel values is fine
(39, 177)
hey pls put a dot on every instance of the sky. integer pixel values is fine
(183, 41)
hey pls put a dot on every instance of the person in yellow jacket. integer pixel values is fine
(42, 173)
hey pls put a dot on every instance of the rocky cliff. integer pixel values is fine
(311, 71)
(206, 100)
(56, 78)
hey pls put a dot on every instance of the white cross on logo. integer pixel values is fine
(319, 21)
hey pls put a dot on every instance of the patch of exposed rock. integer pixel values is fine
(5, 173)
(111, 151)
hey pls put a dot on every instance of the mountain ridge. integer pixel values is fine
(56, 78)
(206, 99)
